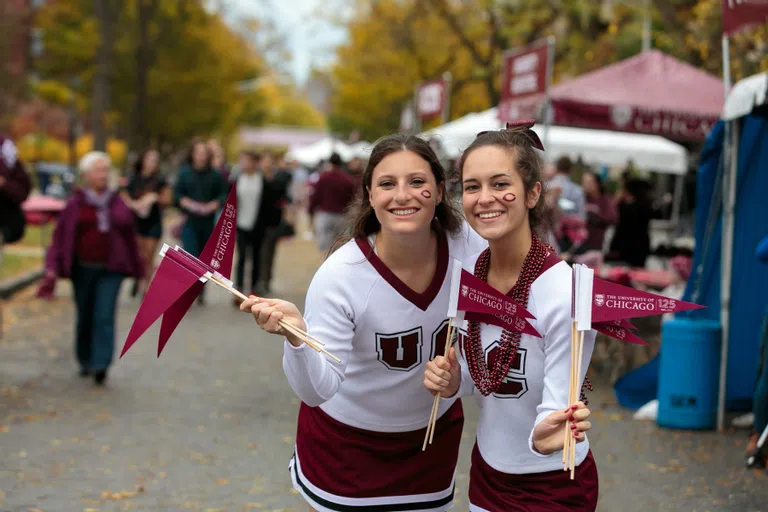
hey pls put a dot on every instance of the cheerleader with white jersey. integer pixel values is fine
(520, 381)
(379, 303)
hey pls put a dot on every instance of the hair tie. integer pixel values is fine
(525, 126)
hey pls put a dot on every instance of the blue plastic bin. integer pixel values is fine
(689, 368)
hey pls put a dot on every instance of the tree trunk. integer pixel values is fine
(106, 13)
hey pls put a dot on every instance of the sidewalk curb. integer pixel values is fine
(10, 286)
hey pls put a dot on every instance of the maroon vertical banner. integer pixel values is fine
(525, 79)
(430, 98)
(741, 14)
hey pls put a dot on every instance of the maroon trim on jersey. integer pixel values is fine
(550, 261)
(420, 300)
(495, 491)
(354, 463)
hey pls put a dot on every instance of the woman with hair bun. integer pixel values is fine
(520, 381)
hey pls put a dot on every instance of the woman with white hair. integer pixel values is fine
(94, 245)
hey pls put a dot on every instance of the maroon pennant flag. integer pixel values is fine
(611, 301)
(512, 323)
(218, 253)
(615, 330)
(176, 284)
(477, 296)
(742, 14)
(171, 281)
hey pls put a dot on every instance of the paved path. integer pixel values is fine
(210, 425)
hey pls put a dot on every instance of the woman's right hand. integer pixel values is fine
(443, 375)
(268, 313)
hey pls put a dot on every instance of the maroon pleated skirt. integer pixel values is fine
(337, 466)
(493, 491)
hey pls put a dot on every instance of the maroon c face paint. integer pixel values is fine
(509, 197)
(426, 194)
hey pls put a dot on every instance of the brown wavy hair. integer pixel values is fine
(360, 218)
(520, 144)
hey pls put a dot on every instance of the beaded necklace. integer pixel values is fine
(486, 381)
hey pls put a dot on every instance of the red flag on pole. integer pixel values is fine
(741, 14)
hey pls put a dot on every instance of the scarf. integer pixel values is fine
(101, 203)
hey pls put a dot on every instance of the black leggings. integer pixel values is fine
(248, 248)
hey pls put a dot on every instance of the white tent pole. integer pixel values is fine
(647, 26)
(730, 155)
(548, 113)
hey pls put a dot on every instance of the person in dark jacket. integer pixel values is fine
(631, 242)
(199, 192)
(334, 191)
(147, 194)
(14, 190)
(94, 245)
(274, 199)
(600, 209)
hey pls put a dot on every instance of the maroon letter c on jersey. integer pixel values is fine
(400, 351)
(514, 384)
(438, 340)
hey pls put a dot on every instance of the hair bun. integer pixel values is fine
(522, 125)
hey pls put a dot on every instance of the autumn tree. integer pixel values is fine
(175, 70)
(12, 59)
(395, 44)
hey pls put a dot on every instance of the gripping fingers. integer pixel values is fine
(247, 304)
(439, 382)
(580, 415)
(271, 324)
(583, 426)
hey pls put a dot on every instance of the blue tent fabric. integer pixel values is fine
(749, 276)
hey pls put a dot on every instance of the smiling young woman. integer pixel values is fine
(523, 380)
(379, 302)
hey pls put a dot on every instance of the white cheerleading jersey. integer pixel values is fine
(383, 332)
(537, 383)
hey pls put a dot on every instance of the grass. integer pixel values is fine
(32, 236)
(16, 264)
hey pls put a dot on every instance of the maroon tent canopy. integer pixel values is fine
(649, 93)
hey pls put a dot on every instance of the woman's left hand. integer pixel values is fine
(548, 434)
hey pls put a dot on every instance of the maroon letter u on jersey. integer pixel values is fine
(400, 351)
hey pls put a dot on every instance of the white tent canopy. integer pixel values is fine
(596, 147)
(745, 96)
(311, 154)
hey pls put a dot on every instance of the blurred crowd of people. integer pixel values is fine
(108, 233)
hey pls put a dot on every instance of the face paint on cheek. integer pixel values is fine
(426, 194)
(509, 197)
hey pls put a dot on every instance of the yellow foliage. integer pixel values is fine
(33, 148)
(116, 149)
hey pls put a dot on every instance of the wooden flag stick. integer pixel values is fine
(567, 434)
(577, 389)
(300, 333)
(436, 406)
(429, 435)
